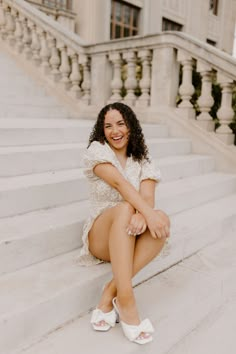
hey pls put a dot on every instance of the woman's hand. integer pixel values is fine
(137, 225)
(159, 224)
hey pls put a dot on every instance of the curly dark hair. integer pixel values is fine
(136, 145)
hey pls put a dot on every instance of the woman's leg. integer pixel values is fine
(118, 247)
(145, 249)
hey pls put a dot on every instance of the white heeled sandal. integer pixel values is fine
(109, 319)
(132, 332)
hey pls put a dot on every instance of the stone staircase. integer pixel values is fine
(43, 203)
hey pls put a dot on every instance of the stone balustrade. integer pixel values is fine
(143, 72)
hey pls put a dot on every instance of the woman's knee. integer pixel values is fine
(164, 216)
(125, 208)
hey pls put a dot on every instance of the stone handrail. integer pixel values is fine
(142, 71)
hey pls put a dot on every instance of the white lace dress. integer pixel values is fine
(102, 195)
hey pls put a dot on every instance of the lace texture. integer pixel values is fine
(102, 196)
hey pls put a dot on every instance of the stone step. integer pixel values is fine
(27, 193)
(33, 111)
(193, 288)
(35, 236)
(21, 160)
(58, 290)
(17, 132)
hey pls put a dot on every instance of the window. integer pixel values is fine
(124, 20)
(214, 6)
(168, 25)
(59, 4)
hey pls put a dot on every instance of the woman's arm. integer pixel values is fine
(114, 178)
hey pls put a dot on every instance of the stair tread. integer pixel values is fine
(24, 123)
(27, 287)
(45, 147)
(165, 188)
(194, 291)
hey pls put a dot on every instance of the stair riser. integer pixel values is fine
(187, 169)
(51, 195)
(23, 163)
(35, 247)
(20, 137)
(79, 299)
(17, 254)
(170, 148)
(192, 198)
(41, 197)
(33, 112)
(41, 136)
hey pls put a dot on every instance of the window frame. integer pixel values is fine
(213, 6)
(122, 25)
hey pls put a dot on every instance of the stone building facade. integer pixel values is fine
(211, 21)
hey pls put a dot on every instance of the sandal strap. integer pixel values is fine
(133, 332)
(109, 317)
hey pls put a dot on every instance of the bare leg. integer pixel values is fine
(108, 240)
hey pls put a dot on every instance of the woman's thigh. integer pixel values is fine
(99, 234)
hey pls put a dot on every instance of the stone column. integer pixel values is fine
(44, 52)
(86, 84)
(26, 39)
(225, 113)
(131, 81)
(11, 26)
(116, 83)
(101, 76)
(35, 45)
(75, 76)
(65, 68)
(145, 82)
(205, 101)
(55, 61)
(164, 77)
(2, 20)
(186, 89)
(19, 34)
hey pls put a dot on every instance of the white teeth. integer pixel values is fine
(117, 138)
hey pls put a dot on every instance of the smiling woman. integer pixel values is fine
(123, 227)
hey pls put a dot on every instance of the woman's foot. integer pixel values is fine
(105, 304)
(127, 309)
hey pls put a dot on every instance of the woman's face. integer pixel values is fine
(116, 130)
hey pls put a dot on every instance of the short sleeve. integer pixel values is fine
(149, 171)
(96, 153)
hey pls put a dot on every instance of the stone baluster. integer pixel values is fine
(75, 76)
(86, 84)
(226, 112)
(19, 45)
(26, 39)
(65, 68)
(186, 89)
(131, 81)
(11, 26)
(145, 82)
(55, 61)
(3, 18)
(116, 83)
(205, 101)
(44, 52)
(35, 45)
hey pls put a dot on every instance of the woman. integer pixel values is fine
(123, 227)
